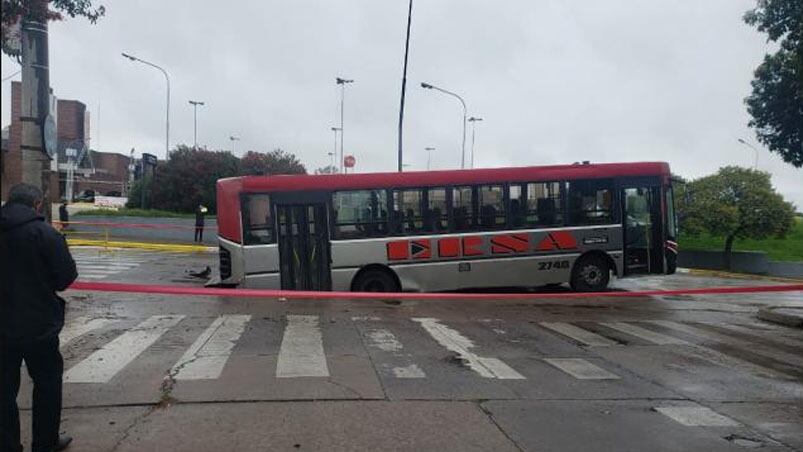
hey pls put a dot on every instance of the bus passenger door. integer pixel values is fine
(641, 215)
(303, 246)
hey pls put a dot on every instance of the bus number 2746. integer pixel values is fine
(553, 265)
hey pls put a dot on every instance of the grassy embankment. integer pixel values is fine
(786, 249)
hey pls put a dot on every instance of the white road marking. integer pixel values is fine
(579, 334)
(207, 356)
(645, 334)
(696, 416)
(301, 353)
(365, 318)
(457, 343)
(384, 340)
(752, 347)
(774, 334)
(581, 369)
(104, 364)
(411, 371)
(79, 326)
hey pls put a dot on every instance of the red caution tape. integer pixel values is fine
(267, 293)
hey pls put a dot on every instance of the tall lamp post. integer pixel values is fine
(167, 109)
(334, 149)
(195, 105)
(342, 82)
(234, 140)
(404, 84)
(429, 156)
(465, 113)
(755, 165)
(473, 120)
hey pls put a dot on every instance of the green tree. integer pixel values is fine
(189, 178)
(776, 102)
(328, 169)
(14, 10)
(735, 203)
(274, 162)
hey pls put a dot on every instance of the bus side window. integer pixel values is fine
(437, 218)
(257, 220)
(590, 202)
(463, 209)
(492, 207)
(544, 204)
(360, 213)
(407, 206)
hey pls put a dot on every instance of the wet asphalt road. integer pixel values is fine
(633, 374)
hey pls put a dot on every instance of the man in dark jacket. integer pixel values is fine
(200, 212)
(36, 264)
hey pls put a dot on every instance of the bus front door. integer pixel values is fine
(304, 246)
(643, 243)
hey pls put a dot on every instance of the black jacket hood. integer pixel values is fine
(14, 215)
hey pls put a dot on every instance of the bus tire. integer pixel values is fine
(375, 280)
(591, 273)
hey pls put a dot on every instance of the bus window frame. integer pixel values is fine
(245, 218)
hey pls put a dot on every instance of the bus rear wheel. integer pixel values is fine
(375, 280)
(591, 274)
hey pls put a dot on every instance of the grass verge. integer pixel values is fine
(786, 249)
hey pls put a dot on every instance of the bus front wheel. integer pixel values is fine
(375, 280)
(591, 274)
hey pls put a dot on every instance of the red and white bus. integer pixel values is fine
(448, 230)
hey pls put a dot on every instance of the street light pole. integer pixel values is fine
(404, 83)
(473, 120)
(342, 82)
(429, 156)
(167, 109)
(334, 149)
(195, 105)
(465, 113)
(755, 166)
(234, 140)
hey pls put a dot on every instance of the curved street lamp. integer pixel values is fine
(755, 166)
(465, 113)
(473, 120)
(167, 109)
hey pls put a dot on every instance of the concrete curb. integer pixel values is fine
(172, 247)
(732, 275)
(792, 317)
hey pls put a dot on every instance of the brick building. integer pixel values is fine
(102, 172)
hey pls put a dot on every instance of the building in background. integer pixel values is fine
(76, 168)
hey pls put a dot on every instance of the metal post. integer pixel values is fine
(195, 105)
(473, 120)
(167, 108)
(333, 154)
(404, 84)
(342, 82)
(465, 113)
(429, 156)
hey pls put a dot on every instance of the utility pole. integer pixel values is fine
(465, 113)
(333, 154)
(473, 120)
(429, 156)
(234, 139)
(342, 82)
(404, 84)
(195, 105)
(36, 101)
(167, 105)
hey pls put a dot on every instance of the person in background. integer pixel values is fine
(64, 216)
(200, 213)
(36, 264)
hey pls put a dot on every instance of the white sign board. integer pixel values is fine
(110, 201)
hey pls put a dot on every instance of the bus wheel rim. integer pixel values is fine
(591, 274)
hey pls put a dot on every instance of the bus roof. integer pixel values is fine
(326, 182)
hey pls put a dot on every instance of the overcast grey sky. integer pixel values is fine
(556, 81)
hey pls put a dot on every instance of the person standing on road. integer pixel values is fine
(36, 264)
(200, 212)
(64, 216)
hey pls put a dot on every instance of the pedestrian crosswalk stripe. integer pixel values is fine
(752, 347)
(383, 340)
(108, 266)
(776, 337)
(411, 371)
(207, 356)
(301, 353)
(454, 341)
(79, 326)
(696, 416)
(104, 364)
(579, 334)
(581, 369)
(645, 334)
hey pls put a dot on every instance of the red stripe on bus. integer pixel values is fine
(470, 245)
(564, 239)
(422, 249)
(449, 247)
(398, 250)
(510, 243)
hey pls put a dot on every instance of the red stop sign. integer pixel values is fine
(349, 161)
